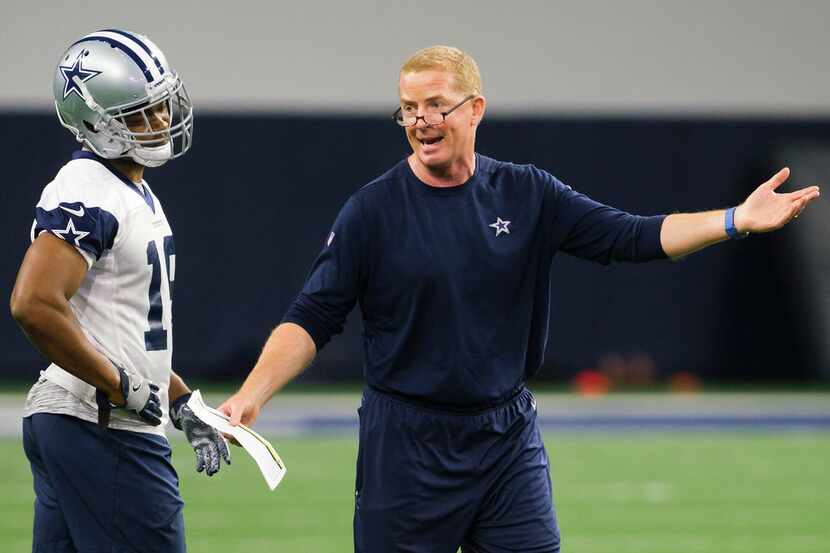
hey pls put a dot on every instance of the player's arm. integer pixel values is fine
(764, 210)
(205, 440)
(288, 351)
(51, 272)
(177, 388)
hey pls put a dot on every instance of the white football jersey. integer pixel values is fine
(124, 302)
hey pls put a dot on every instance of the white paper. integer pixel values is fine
(263, 453)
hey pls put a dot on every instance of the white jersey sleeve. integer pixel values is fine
(82, 209)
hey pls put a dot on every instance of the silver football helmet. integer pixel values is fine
(112, 88)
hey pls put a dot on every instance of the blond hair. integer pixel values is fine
(452, 60)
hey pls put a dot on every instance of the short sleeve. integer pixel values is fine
(80, 214)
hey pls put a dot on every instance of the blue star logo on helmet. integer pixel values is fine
(76, 70)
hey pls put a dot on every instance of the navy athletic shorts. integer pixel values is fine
(101, 490)
(431, 481)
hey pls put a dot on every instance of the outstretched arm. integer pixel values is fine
(317, 314)
(764, 210)
(288, 351)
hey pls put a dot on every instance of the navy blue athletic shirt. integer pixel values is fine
(454, 283)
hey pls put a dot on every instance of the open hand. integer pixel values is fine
(240, 409)
(766, 210)
(208, 444)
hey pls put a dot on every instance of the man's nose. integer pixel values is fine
(421, 122)
(159, 121)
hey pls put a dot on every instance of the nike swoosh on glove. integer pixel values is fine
(141, 396)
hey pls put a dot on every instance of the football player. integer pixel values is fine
(94, 295)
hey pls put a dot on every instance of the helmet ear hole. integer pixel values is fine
(89, 127)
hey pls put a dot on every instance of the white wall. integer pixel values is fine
(710, 57)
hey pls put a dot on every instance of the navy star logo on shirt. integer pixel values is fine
(75, 70)
(70, 233)
(500, 226)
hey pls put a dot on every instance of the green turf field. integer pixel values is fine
(643, 493)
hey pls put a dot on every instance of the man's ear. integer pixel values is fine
(479, 107)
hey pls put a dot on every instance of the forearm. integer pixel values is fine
(288, 351)
(685, 233)
(52, 327)
(177, 388)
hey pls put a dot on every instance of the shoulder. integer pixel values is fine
(87, 182)
(379, 193)
(509, 173)
(389, 182)
(82, 206)
(372, 199)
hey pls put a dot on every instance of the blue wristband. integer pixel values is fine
(729, 224)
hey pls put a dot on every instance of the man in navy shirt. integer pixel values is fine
(449, 255)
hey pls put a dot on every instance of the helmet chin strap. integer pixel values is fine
(152, 156)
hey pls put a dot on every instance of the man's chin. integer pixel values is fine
(433, 162)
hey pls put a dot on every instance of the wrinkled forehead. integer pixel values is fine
(427, 83)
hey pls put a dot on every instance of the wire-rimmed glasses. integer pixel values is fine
(430, 117)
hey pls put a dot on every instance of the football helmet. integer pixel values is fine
(112, 88)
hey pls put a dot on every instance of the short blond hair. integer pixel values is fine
(452, 60)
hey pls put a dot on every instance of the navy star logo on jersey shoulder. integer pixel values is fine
(70, 233)
(76, 70)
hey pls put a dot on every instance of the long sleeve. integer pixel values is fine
(335, 280)
(594, 231)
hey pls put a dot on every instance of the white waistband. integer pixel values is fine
(70, 383)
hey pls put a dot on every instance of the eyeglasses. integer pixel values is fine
(431, 117)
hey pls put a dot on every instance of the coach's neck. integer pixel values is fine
(456, 173)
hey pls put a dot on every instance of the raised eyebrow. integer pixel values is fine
(430, 99)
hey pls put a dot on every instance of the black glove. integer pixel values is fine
(140, 395)
(208, 444)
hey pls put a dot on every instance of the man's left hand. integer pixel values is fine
(208, 443)
(766, 210)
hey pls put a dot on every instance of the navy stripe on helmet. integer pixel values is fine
(137, 40)
(124, 48)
